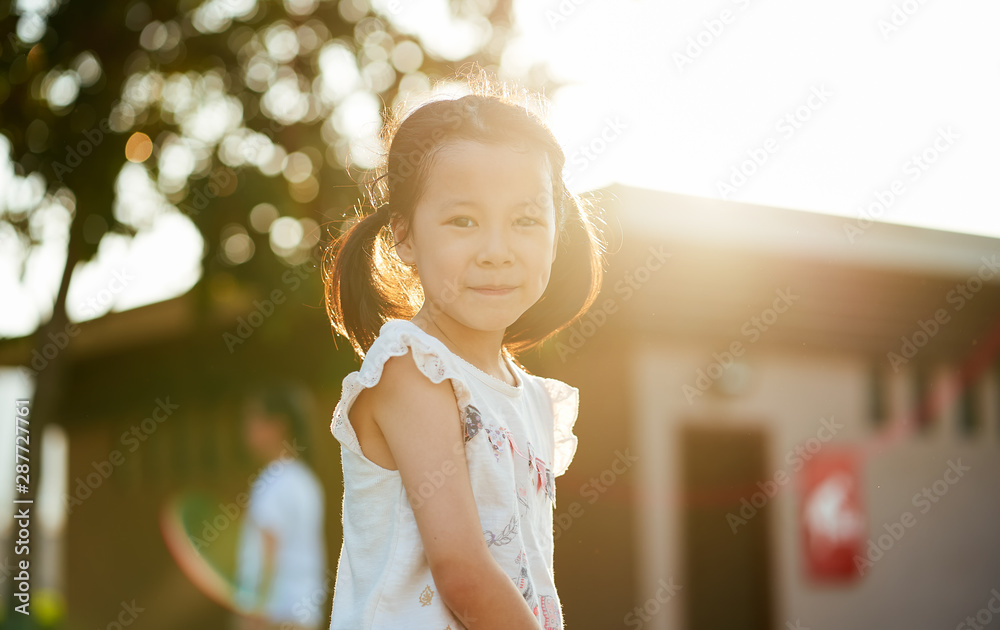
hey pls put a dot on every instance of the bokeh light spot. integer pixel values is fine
(138, 148)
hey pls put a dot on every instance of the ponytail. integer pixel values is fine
(365, 282)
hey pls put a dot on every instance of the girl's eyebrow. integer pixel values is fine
(458, 202)
(448, 205)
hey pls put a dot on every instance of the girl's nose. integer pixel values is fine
(495, 248)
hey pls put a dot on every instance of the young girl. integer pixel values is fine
(449, 447)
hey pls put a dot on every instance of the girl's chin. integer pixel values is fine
(489, 321)
(478, 312)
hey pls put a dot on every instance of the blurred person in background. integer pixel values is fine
(281, 562)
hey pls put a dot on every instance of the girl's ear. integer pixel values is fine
(400, 238)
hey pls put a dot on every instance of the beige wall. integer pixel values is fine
(939, 572)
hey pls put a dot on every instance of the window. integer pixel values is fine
(878, 411)
(925, 405)
(968, 411)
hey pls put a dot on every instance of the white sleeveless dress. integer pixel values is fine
(517, 440)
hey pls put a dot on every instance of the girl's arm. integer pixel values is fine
(423, 428)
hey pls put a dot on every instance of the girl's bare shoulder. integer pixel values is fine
(403, 384)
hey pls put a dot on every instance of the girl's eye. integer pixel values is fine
(457, 220)
(528, 221)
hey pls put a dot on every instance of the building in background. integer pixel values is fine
(737, 348)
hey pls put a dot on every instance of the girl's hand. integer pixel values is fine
(252, 621)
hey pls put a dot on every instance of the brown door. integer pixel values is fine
(727, 559)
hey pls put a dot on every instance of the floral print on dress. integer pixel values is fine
(473, 422)
(498, 436)
(522, 499)
(524, 583)
(551, 619)
(544, 607)
(550, 484)
(504, 536)
(426, 596)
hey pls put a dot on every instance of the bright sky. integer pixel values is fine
(875, 91)
(820, 107)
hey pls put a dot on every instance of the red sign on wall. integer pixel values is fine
(831, 515)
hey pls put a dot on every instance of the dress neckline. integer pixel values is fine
(488, 379)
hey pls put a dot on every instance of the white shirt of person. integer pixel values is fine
(287, 499)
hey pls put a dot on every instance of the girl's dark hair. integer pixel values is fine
(367, 284)
(293, 404)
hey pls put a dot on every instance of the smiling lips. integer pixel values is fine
(494, 289)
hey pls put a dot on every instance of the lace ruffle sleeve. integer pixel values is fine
(565, 408)
(394, 339)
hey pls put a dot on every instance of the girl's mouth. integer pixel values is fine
(493, 290)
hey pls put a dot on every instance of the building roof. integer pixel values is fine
(799, 234)
(729, 262)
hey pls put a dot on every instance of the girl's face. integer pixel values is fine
(483, 234)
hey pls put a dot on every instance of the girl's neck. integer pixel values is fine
(483, 349)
